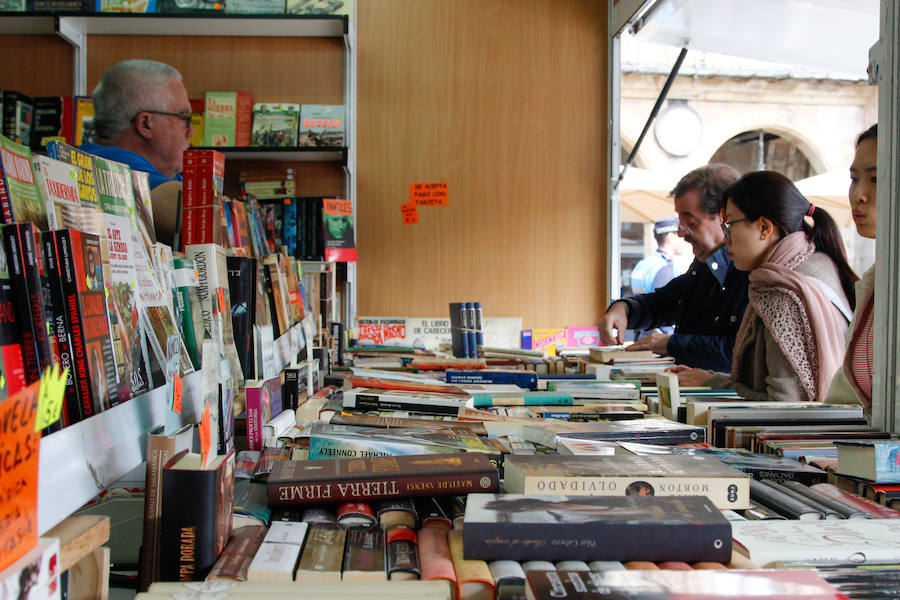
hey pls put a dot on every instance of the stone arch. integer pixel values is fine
(799, 139)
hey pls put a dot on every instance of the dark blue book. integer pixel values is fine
(470, 332)
(459, 325)
(479, 325)
(523, 379)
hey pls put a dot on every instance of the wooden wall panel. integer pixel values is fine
(37, 65)
(304, 70)
(505, 101)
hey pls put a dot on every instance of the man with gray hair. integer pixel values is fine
(142, 117)
(707, 303)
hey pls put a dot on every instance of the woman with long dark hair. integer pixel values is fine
(853, 383)
(790, 343)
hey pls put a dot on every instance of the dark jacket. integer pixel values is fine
(706, 305)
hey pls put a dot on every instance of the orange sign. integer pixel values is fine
(338, 206)
(410, 213)
(429, 194)
(205, 436)
(19, 448)
(176, 402)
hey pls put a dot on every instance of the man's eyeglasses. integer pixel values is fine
(726, 227)
(184, 116)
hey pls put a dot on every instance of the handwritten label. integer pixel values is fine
(19, 447)
(410, 213)
(429, 194)
(176, 402)
(205, 436)
(50, 397)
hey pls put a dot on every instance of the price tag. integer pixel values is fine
(410, 213)
(221, 293)
(205, 436)
(176, 402)
(50, 397)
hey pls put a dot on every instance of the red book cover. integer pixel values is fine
(83, 283)
(10, 335)
(243, 118)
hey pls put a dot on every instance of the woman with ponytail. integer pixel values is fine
(790, 342)
(853, 382)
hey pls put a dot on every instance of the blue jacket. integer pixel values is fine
(132, 159)
(651, 272)
(706, 305)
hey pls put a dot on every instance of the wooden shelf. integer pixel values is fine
(293, 154)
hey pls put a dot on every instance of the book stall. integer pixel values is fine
(207, 417)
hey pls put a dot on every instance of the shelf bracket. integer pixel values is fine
(72, 29)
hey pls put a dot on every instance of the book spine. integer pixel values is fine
(234, 562)
(255, 417)
(243, 115)
(401, 556)
(470, 571)
(160, 449)
(771, 497)
(471, 332)
(459, 340)
(870, 507)
(523, 379)
(434, 554)
(10, 336)
(188, 531)
(845, 511)
(82, 374)
(59, 325)
(377, 488)
(290, 391)
(6, 211)
(15, 252)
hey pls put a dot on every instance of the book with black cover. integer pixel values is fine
(196, 515)
(242, 289)
(554, 528)
(459, 325)
(299, 482)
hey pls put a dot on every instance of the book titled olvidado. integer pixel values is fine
(620, 475)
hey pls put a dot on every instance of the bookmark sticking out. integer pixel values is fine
(205, 436)
(50, 397)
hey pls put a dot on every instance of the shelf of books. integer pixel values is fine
(182, 24)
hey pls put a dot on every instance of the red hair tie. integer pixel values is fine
(812, 209)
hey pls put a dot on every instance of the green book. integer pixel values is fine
(521, 399)
(22, 201)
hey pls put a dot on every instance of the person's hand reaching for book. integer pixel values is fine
(655, 341)
(613, 324)
(688, 377)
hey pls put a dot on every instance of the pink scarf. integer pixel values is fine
(826, 325)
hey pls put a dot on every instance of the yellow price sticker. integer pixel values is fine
(50, 397)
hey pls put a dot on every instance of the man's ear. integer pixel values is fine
(143, 125)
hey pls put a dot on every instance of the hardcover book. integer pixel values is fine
(434, 554)
(196, 515)
(401, 555)
(263, 402)
(521, 527)
(670, 475)
(875, 460)
(823, 542)
(275, 125)
(293, 483)
(10, 334)
(322, 125)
